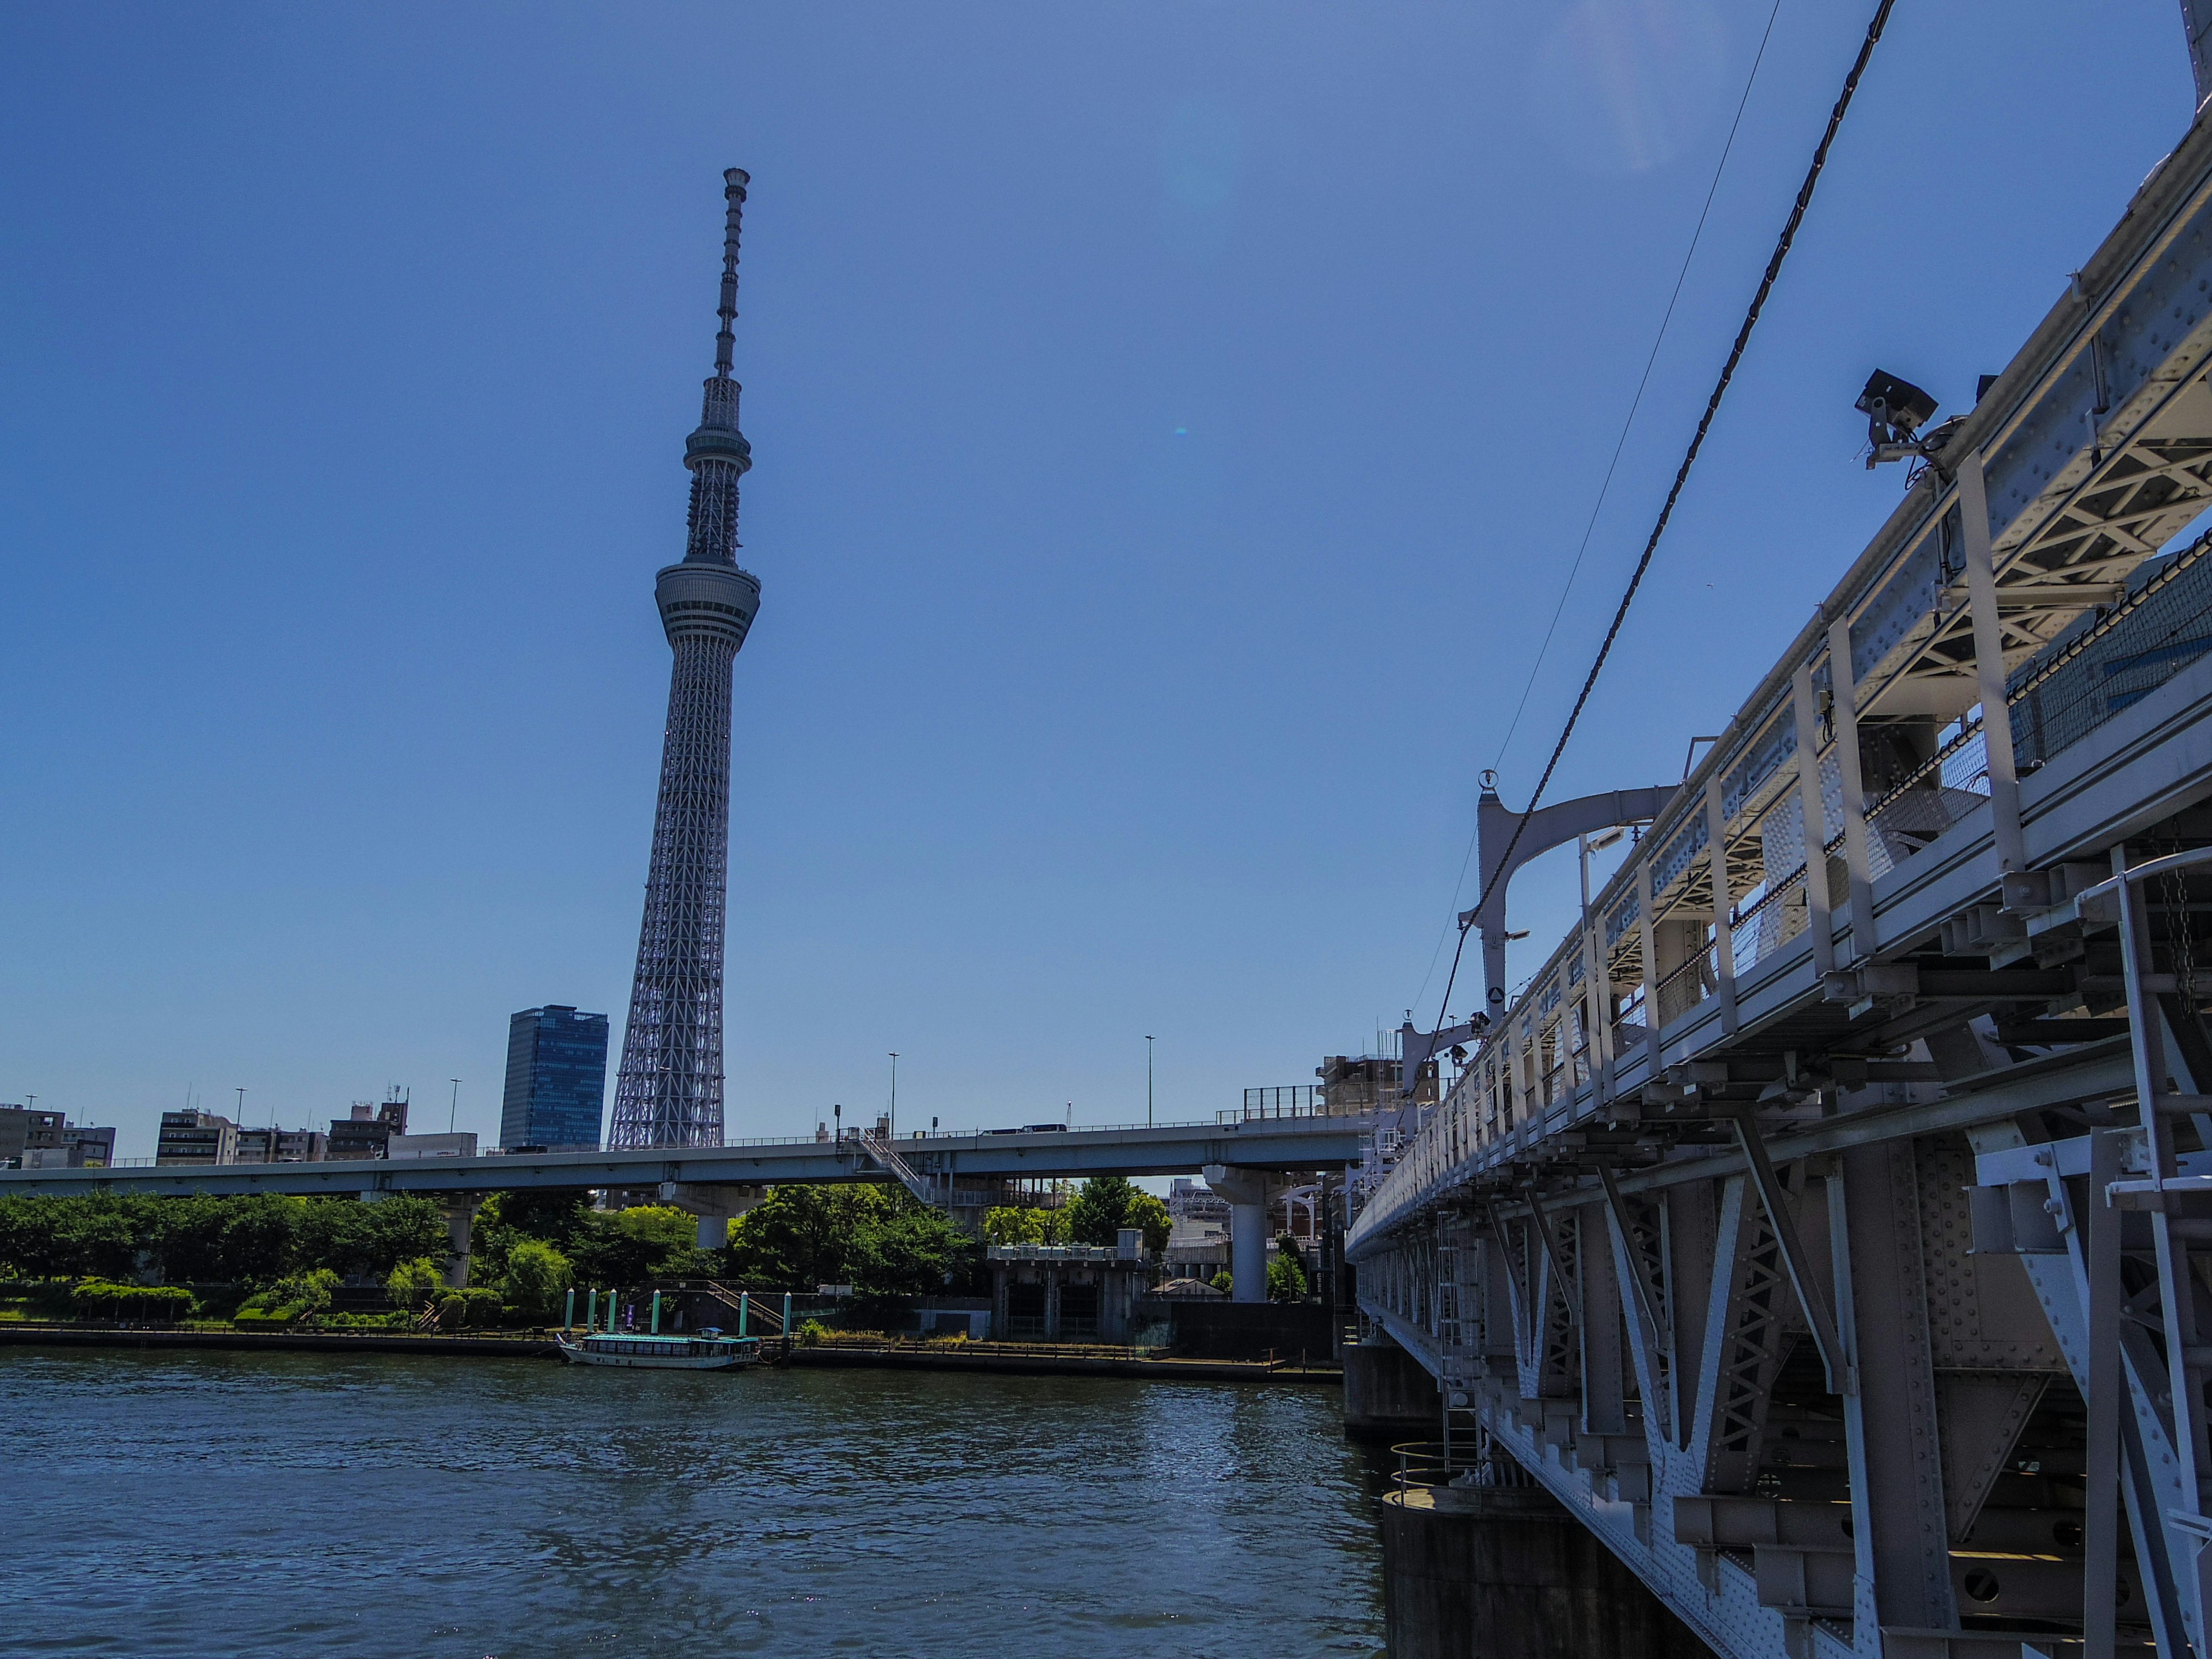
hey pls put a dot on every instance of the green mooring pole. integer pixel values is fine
(744, 1307)
(656, 1313)
(568, 1312)
(786, 1313)
(592, 1316)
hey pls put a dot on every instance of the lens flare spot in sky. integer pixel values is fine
(1623, 86)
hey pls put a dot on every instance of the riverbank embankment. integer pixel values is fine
(1005, 1358)
(488, 1346)
(1012, 1358)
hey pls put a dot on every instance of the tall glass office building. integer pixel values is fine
(557, 1078)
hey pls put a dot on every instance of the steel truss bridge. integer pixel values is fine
(1828, 1225)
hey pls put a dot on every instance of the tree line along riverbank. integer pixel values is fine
(271, 1260)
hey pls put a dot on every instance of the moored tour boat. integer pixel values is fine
(711, 1352)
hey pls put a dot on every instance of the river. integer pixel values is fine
(212, 1503)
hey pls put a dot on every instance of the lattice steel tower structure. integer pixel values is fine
(669, 1092)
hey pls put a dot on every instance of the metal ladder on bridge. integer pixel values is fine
(1465, 1443)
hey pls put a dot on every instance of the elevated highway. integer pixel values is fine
(717, 1183)
(1828, 1222)
(1264, 1144)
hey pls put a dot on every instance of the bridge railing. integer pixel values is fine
(1866, 742)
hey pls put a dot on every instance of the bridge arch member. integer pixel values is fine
(1545, 829)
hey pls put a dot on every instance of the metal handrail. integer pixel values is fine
(2137, 872)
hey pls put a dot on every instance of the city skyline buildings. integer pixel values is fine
(669, 1090)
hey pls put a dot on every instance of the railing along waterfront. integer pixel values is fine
(2048, 506)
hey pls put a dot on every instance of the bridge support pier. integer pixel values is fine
(1247, 1192)
(1505, 1572)
(460, 1226)
(1387, 1394)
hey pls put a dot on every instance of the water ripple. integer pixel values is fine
(256, 1504)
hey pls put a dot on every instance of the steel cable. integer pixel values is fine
(1781, 247)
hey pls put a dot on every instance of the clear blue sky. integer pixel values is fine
(1172, 426)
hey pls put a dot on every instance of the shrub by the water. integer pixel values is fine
(471, 1309)
(99, 1298)
(296, 1297)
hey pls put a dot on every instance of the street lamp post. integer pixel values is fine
(1148, 1083)
(453, 1110)
(894, 1111)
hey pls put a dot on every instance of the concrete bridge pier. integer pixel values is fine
(715, 1206)
(460, 1210)
(1247, 1192)
(1505, 1572)
(1387, 1396)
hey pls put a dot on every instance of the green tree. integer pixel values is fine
(411, 1283)
(799, 1237)
(1107, 1204)
(1013, 1224)
(1149, 1211)
(1286, 1278)
(309, 1292)
(94, 1234)
(551, 1216)
(914, 1251)
(188, 1243)
(259, 1238)
(536, 1275)
(646, 1240)
(1100, 1209)
(401, 1230)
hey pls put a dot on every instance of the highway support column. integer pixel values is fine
(1247, 1192)
(1505, 1572)
(460, 1210)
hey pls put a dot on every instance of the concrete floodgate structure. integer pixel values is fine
(1067, 1292)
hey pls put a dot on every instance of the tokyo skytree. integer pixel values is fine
(669, 1092)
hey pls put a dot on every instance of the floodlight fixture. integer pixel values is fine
(1895, 410)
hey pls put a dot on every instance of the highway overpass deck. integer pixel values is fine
(1264, 1144)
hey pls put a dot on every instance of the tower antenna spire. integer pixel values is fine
(734, 181)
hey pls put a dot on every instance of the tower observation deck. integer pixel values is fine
(669, 1090)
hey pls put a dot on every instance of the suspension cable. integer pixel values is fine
(1620, 445)
(1782, 247)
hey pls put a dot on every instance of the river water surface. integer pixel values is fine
(217, 1504)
